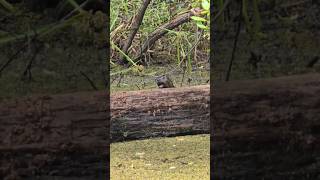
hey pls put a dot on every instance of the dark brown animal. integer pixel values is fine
(164, 81)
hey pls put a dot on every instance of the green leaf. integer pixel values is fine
(196, 18)
(201, 26)
(40, 32)
(204, 12)
(7, 5)
(124, 54)
(205, 5)
(75, 5)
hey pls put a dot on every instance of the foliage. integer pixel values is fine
(88, 24)
(285, 41)
(221, 20)
(58, 50)
(254, 26)
(7, 6)
(178, 44)
(202, 23)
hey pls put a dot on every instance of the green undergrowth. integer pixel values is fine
(180, 47)
(175, 158)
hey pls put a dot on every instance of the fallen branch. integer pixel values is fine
(89, 80)
(134, 29)
(163, 29)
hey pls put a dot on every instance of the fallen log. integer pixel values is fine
(261, 128)
(267, 129)
(161, 112)
(62, 136)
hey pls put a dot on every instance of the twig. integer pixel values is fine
(6, 64)
(234, 44)
(120, 78)
(184, 73)
(225, 5)
(313, 62)
(90, 81)
(27, 71)
(74, 10)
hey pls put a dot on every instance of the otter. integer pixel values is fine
(164, 81)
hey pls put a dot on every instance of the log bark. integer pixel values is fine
(161, 112)
(262, 128)
(267, 129)
(62, 136)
